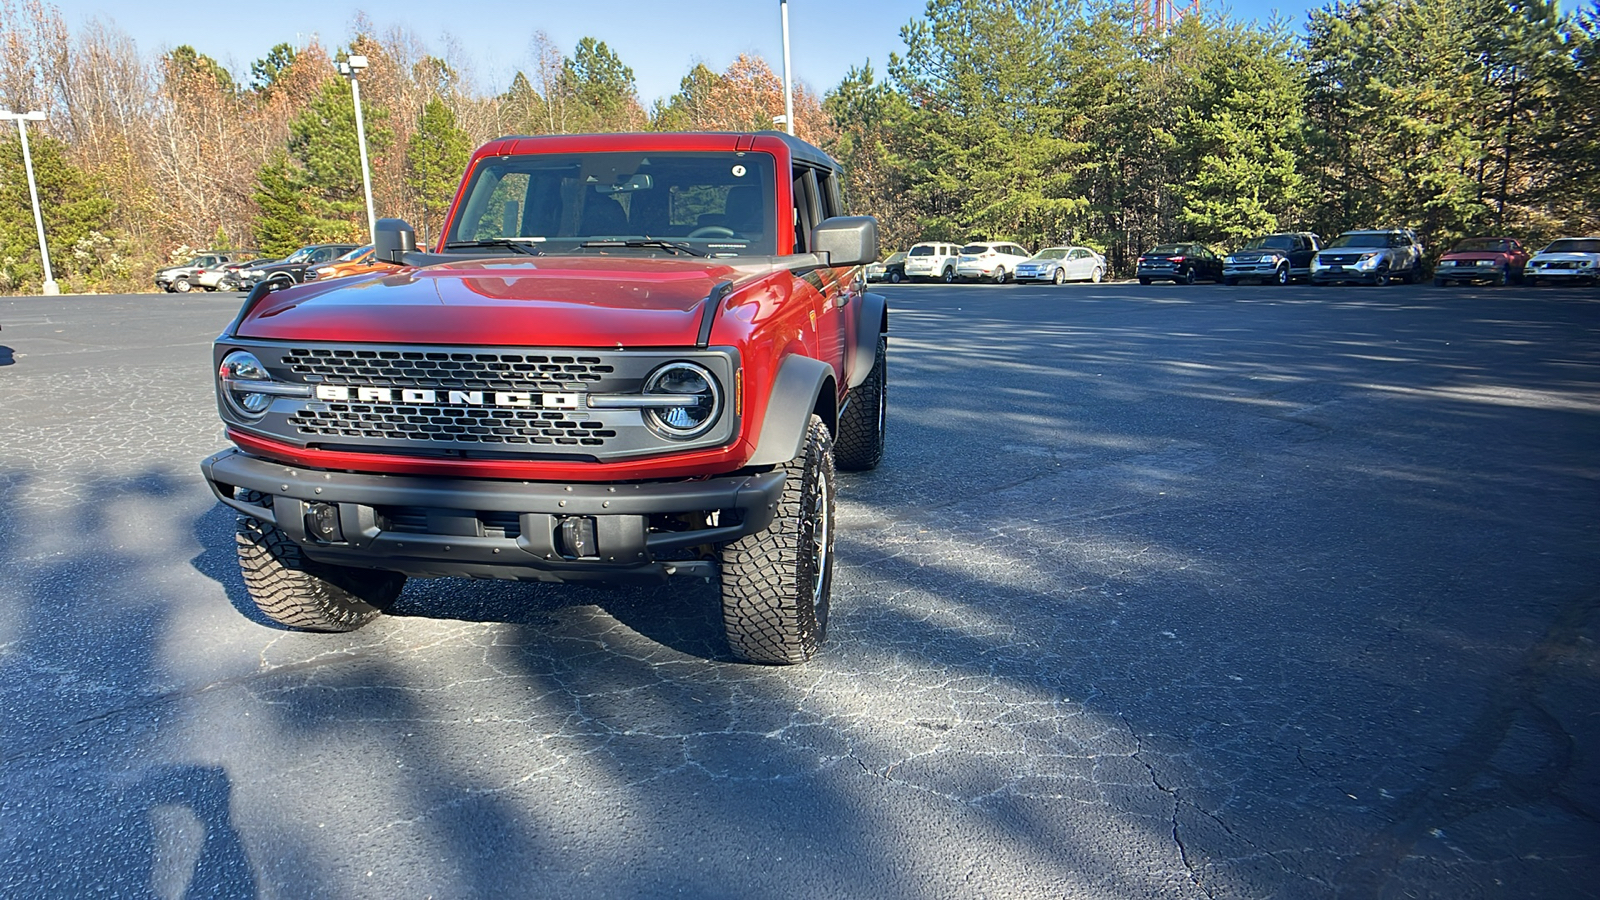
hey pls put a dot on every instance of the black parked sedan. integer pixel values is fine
(1179, 263)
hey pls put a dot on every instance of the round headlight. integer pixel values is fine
(238, 372)
(686, 400)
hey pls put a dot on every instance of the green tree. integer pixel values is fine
(1563, 145)
(184, 63)
(599, 90)
(74, 206)
(692, 105)
(1240, 136)
(283, 221)
(436, 156)
(265, 72)
(322, 139)
(995, 150)
(522, 108)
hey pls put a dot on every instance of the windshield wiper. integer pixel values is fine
(519, 246)
(647, 243)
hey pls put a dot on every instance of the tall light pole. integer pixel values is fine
(351, 69)
(788, 95)
(49, 287)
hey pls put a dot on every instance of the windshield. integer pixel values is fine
(1574, 245)
(1483, 245)
(301, 255)
(1271, 242)
(719, 203)
(357, 253)
(1052, 253)
(1360, 240)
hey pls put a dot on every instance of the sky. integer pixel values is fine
(661, 40)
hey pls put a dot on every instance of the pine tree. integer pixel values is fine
(322, 139)
(282, 223)
(1239, 138)
(436, 156)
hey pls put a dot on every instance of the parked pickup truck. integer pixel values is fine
(632, 357)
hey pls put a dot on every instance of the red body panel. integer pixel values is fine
(534, 302)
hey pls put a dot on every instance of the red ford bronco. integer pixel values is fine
(632, 357)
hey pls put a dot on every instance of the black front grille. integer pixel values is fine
(498, 371)
(476, 402)
(451, 424)
(1340, 259)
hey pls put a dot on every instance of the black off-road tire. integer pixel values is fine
(1281, 276)
(859, 446)
(302, 593)
(776, 583)
(949, 276)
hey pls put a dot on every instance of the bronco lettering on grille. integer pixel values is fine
(335, 392)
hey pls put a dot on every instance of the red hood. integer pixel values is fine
(565, 301)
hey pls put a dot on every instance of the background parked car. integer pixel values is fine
(1179, 263)
(1369, 256)
(1496, 260)
(1566, 261)
(1058, 264)
(892, 270)
(933, 259)
(1272, 258)
(292, 268)
(202, 271)
(990, 260)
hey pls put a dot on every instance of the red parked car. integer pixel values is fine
(1496, 260)
(633, 357)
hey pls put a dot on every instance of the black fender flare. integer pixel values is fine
(872, 321)
(801, 383)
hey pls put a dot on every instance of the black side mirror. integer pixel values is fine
(394, 239)
(847, 240)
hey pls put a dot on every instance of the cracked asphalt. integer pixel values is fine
(1160, 592)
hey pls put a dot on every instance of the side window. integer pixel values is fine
(805, 207)
(832, 197)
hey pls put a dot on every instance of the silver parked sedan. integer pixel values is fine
(1058, 264)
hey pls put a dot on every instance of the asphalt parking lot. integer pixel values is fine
(1166, 592)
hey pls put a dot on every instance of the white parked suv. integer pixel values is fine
(990, 260)
(932, 260)
(1565, 261)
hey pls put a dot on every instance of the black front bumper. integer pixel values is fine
(437, 527)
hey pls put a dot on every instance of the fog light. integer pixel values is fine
(322, 523)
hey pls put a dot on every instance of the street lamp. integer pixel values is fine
(49, 287)
(788, 95)
(351, 69)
